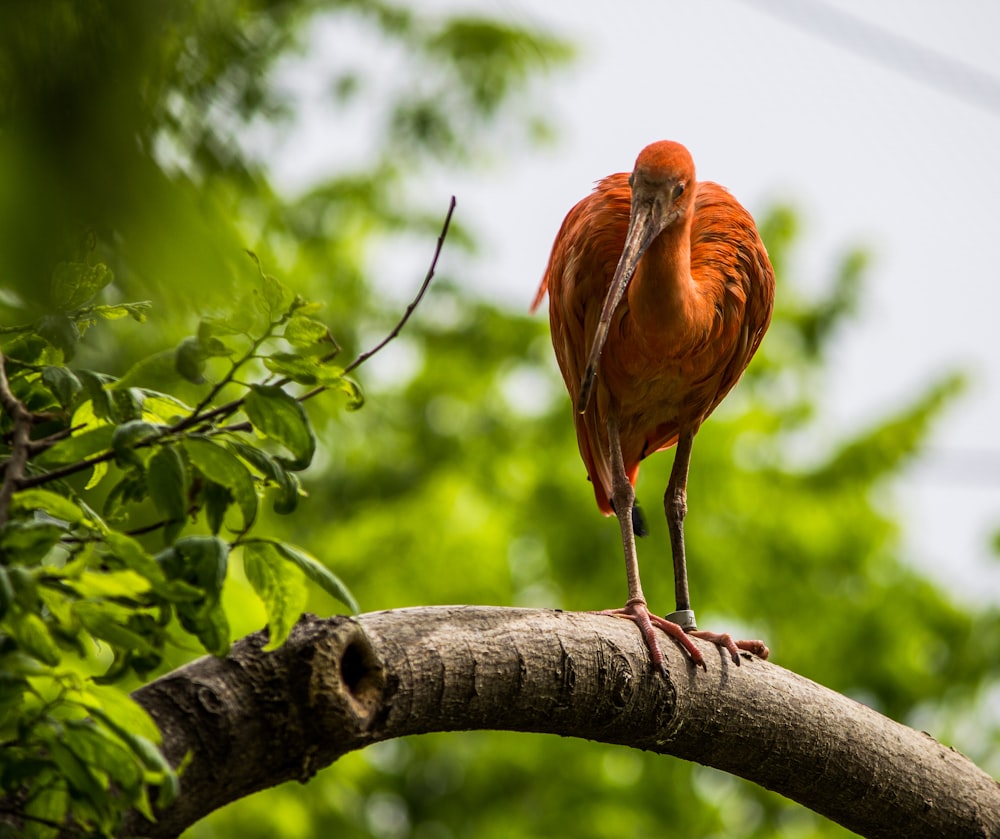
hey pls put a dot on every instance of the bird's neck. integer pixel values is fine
(663, 298)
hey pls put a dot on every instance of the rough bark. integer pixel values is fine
(256, 719)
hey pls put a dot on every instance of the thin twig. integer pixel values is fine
(361, 359)
(44, 443)
(72, 468)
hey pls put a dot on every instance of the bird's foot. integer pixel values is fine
(725, 640)
(686, 619)
(637, 612)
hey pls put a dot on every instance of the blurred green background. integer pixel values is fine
(122, 131)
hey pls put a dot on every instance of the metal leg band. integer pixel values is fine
(683, 618)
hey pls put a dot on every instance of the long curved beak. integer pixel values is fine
(642, 229)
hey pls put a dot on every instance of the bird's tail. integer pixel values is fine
(639, 521)
(639, 527)
(540, 293)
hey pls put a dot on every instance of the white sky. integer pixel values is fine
(868, 154)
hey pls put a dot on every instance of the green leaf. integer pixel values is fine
(304, 371)
(61, 332)
(261, 461)
(127, 436)
(6, 592)
(34, 637)
(170, 788)
(355, 396)
(213, 347)
(308, 335)
(74, 770)
(189, 360)
(80, 446)
(126, 404)
(280, 587)
(281, 417)
(48, 804)
(317, 572)
(29, 541)
(217, 500)
(131, 489)
(201, 561)
(311, 371)
(122, 584)
(274, 297)
(137, 311)
(221, 466)
(212, 628)
(12, 687)
(289, 492)
(167, 479)
(286, 499)
(198, 560)
(96, 385)
(162, 408)
(134, 556)
(57, 506)
(63, 383)
(74, 283)
(96, 749)
(211, 328)
(24, 583)
(100, 622)
(159, 369)
(120, 712)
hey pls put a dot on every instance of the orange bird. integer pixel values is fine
(660, 291)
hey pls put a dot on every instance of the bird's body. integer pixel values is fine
(660, 293)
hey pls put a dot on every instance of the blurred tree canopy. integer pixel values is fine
(459, 481)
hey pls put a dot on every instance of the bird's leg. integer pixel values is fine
(636, 610)
(675, 507)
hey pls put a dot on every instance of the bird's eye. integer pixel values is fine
(631, 181)
(678, 191)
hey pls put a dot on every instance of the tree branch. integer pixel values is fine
(256, 719)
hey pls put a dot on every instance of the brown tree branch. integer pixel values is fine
(256, 719)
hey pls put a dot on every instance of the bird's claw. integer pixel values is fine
(724, 639)
(639, 614)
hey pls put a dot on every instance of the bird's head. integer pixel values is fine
(662, 184)
(663, 188)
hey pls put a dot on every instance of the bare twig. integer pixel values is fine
(361, 359)
(44, 443)
(70, 469)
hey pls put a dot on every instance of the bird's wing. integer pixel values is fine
(725, 244)
(580, 269)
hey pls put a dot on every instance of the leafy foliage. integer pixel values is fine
(80, 586)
